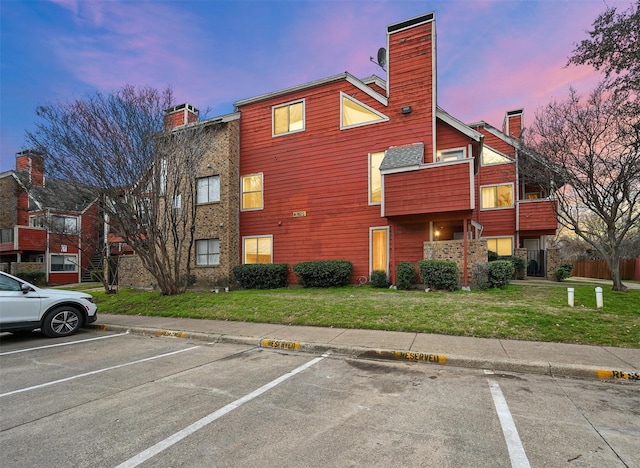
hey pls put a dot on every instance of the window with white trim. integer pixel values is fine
(354, 113)
(491, 156)
(252, 192)
(257, 249)
(454, 154)
(288, 118)
(496, 196)
(379, 249)
(503, 246)
(208, 189)
(207, 252)
(63, 263)
(375, 179)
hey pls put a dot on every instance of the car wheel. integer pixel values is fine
(61, 321)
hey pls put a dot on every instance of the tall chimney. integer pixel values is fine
(513, 123)
(31, 162)
(180, 115)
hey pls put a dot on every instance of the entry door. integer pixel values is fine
(379, 249)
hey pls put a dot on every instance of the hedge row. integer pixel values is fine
(262, 275)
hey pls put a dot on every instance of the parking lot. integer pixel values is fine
(105, 399)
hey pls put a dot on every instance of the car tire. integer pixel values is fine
(61, 321)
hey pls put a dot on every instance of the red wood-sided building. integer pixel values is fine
(47, 222)
(369, 170)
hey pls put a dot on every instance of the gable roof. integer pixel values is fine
(57, 194)
(346, 76)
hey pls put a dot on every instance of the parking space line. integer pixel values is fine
(514, 444)
(99, 371)
(178, 436)
(61, 344)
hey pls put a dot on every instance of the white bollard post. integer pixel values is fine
(599, 298)
(570, 296)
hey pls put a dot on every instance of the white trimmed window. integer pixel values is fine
(252, 192)
(64, 224)
(379, 249)
(208, 189)
(491, 156)
(354, 113)
(503, 246)
(63, 263)
(288, 118)
(208, 252)
(375, 179)
(496, 196)
(257, 249)
(454, 154)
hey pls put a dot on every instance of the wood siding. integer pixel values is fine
(32, 239)
(537, 216)
(437, 188)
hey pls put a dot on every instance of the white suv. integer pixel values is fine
(25, 307)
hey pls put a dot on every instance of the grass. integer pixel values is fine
(538, 313)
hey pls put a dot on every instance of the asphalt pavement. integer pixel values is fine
(556, 359)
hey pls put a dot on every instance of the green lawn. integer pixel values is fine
(538, 313)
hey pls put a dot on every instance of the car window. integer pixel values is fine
(8, 284)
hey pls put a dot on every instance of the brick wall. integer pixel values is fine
(131, 273)
(8, 202)
(454, 250)
(554, 260)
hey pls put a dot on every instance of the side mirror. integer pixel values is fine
(25, 288)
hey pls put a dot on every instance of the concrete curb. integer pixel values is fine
(506, 365)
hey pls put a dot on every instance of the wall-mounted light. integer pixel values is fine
(406, 109)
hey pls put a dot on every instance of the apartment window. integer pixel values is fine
(375, 179)
(208, 252)
(379, 249)
(208, 189)
(177, 202)
(491, 156)
(36, 221)
(257, 249)
(496, 196)
(503, 246)
(64, 224)
(252, 192)
(64, 263)
(454, 154)
(288, 118)
(354, 113)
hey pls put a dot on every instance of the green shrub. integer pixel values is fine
(480, 275)
(492, 256)
(379, 279)
(262, 275)
(500, 273)
(564, 271)
(405, 275)
(323, 273)
(439, 274)
(519, 265)
(39, 278)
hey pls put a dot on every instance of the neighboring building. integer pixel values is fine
(44, 225)
(215, 249)
(376, 173)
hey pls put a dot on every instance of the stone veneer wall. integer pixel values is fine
(454, 250)
(554, 260)
(217, 220)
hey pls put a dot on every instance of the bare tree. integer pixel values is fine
(593, 145)
(117, 143)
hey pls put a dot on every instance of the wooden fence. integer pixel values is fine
(599, 269)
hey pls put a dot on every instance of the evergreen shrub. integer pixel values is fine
(405, 275)
(262, 275)
(323, 273)
(439, 274)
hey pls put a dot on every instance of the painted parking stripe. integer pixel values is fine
(514, 444)
(61, 344)
(99, 371)
(178, 436)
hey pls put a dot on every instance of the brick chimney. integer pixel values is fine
(31, 162)
(180, 115)
(513, 124)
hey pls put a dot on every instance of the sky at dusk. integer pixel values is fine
(493, 55)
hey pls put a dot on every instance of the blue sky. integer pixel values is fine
(493, 55)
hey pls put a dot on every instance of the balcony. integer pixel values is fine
(536, 217)
(429, 189)
(23, 238)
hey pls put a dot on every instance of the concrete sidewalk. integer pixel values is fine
(556, 359)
